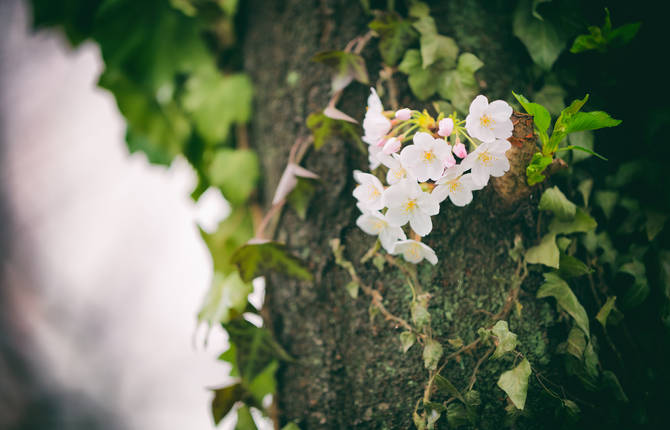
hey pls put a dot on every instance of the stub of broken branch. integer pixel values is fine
(513, 187)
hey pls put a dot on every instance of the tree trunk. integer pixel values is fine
(350, 370)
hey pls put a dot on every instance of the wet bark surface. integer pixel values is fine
(350, 370)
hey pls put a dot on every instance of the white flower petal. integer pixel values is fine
(499, 108)
(374, 102)
(397, 216)
(428, 204)
(461, 197)
(420, 222)
(429, 254)
(478, 105)
(371, 224)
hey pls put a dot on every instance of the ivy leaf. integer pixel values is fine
(571, 267)
(423, 82)
(435, 46)
(576, 343)
(557, 288)
(224, 400)
(252, 260)
(419, 311)
(546, 252)
(233, 232)
(396, 35)
(606, 200)
(300, 196)
(604, 312)
(457, 415)
(226, 299)
(244, 419)
(585, 188)
(216, 102)
(542, 39)
(265, 382)
(459, 85)
(515, 383)
(584, 140)
(582, 223)
(638, 292)
(601, 39)
(555, 201)
(506, 339)
(407, 339)
(324, 128)
(235, 172)
(534, 170)
(552, 98)
(432, 352)
(654, 224)
(541, 116)
(611, 382)
(445, 385)
(347, 65)
(290, 426)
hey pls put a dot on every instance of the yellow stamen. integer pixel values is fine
(428, 155)
(454, 185)
(410, 205)
(486, 121)
(485, 158)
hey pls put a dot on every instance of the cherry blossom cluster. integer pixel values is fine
(419, 154)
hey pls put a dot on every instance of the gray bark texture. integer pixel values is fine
(350, 370)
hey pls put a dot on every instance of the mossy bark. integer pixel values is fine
(350, 370)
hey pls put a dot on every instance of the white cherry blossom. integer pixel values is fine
(455, 185)
(414, 251)
(397, 171)
(488, 159)
(374, 156)
(425, 159)
(375, 123)
(392, 145)
(369, 192)
(488, 122)
(407, 202)
(374, 223)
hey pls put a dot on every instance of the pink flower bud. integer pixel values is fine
(450, 161)
(392, 145)
(446, 127)
(403, 114)
(460, 151)
(380, 143)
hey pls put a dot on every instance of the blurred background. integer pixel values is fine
(103, 269)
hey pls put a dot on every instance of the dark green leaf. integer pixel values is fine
(571, 267)
(543, 41)
(557, 288)
(457, 415)
(604, 312)
(611, 382)
(224, 399)
(638, 292)
(301, 195)
(445, 385)
(551, 96)
(254, 260)
(396, 36)
(347, 66)
(654, 224)
(324, 128)
(546, 252)
(606, 200)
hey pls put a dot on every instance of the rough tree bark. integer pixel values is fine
(351, 372)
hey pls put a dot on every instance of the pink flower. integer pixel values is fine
(446, 127)
(403, 114)
(459, 150)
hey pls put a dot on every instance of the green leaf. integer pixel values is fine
(606, 200)
(290, 426)
(255, 351)
(541, 115)
(435, 46)
(515, 383)
(445, 385)
(583, 140)
(506, 339)
(419, 311)
(396, 35)
(601, 39)
(432, 352)
(585, 188)
(560, 128)
(654, 224)
(576, 343)
(224, 400)
(611, 382)
(407, 339)
(324, 128)
(254, 260)
(265, 382)
(300, 196)
(233, 232)
(537, 165)
(604, 312)
(216, 102)
(582, 121)
(639, 291)
(347, 66)
(352, 288)
(571, 267)
(546, 252)
(419, 9)
(557, 288)
(555, 201)
(457, 415)
(459, 85)
(235, 172)
(542, 39)
(226, 299)
(244, 419)
(582, 223)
